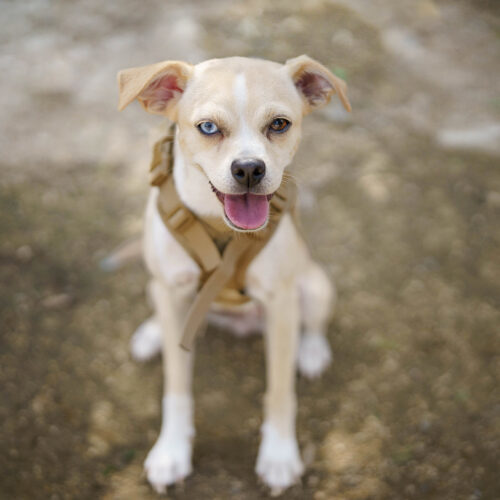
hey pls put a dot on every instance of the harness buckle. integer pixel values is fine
(181, 219)
(161, 161)
(158, 175)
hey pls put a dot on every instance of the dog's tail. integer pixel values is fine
(128, 251)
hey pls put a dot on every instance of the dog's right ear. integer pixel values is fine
(158, 87)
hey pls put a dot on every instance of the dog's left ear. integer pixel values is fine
(158, 87)
(315, 83)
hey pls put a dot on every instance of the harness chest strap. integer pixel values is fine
(217, 269)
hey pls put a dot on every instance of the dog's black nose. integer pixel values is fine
(248, 172)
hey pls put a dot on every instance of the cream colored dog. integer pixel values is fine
(248, 113)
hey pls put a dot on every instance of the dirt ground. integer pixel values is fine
(400, 201)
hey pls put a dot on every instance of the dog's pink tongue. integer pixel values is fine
(246, 211)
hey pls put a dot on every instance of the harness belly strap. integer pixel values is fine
(217, 270)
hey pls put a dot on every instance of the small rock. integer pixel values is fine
(343, 38)
(57, 301)
(481, 138)
(493, 199)
(24, 253)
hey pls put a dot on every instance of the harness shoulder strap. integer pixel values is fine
(187, 229)
(181, 222)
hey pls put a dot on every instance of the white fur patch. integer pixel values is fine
(249, 146)
(314, 355)
(240, 93)
(169, 461)
(241, 98)
(147, 340)
(278, 463)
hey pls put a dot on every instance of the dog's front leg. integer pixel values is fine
(169, 461)
(278, 463)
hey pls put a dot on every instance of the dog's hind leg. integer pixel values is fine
(317, 298)
(169, 461)
(147, 340)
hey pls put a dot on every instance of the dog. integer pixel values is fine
(237, 127)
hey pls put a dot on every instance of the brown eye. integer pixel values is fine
(279, 125)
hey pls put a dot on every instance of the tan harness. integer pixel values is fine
(222, 271)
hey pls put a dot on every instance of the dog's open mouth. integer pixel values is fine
(246, 211)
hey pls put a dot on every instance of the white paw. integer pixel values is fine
(168, 462)
(278, 463)
(146, 341)
(314, 355)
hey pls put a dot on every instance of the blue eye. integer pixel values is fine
(208, 128)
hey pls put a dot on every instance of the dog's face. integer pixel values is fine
(238, 122)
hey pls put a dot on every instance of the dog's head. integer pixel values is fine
(238, 122)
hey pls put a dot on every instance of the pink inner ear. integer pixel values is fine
(160, 92)
(314, 87)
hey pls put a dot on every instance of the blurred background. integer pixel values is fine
(401, 204)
